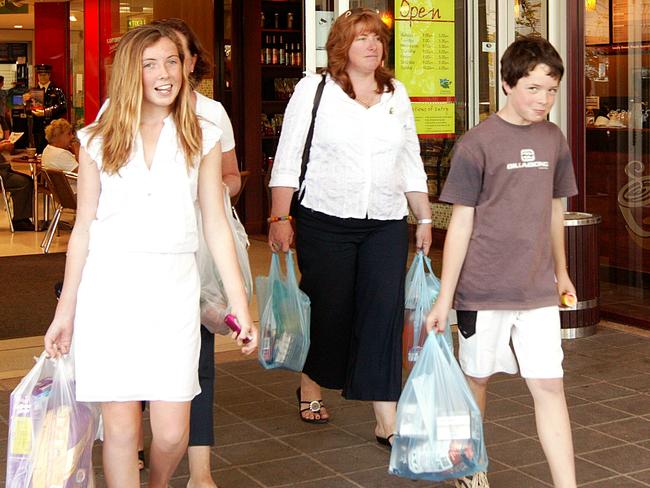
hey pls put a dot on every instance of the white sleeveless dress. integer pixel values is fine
(136, 329)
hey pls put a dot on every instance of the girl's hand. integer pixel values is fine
(248, 331)
(58, 337)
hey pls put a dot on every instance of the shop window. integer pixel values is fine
(617, 120)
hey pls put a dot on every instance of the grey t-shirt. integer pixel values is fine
(509, 174)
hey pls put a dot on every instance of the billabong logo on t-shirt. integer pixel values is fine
(527, 155)
(528, 161)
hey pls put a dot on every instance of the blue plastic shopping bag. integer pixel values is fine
(421, 291)
(439, 426)
(284, 317)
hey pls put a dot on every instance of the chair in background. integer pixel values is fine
(64, 197)
(5, 199)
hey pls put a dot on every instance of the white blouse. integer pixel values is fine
(213, 111)
(58, 158)
(362, 161)
(144, 209)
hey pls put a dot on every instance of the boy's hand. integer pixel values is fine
(437, 318)
(564, 285)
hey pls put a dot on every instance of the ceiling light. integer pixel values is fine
(73, 18)
(591, 5)
(18, 26)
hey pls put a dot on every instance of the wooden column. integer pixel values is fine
(575, 73)
(250, 86)
(198, 14)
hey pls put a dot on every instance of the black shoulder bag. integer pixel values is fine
(297, 195)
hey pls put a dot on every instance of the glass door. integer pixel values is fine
(617, 134)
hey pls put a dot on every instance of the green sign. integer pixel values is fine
(14, 7)
(424, 61)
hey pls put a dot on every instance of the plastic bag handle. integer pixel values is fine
(291, 272)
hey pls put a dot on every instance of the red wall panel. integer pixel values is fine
(52, 41)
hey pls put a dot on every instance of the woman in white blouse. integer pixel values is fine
(131, 288)
(62, 151)
(351, 234)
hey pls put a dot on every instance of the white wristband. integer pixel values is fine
(425, 221)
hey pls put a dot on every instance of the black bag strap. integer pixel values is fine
(310, 134)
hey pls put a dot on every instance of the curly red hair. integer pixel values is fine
(340, 38)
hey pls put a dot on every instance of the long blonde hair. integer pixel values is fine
(120, 123)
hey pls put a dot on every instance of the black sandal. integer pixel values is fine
(385, 441)
(314, 407)
(141, 464)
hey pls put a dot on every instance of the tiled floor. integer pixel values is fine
(262, 443)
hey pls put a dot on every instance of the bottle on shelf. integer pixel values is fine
(281, 52)
(288, 54)
(267, 50)
(274, 51)
(276, 20)
(262, 19)
(298, 55)
(289, 20)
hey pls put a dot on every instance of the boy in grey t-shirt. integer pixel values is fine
(504, 264)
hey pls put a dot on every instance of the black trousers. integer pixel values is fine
(353, 271)
(202, 409)
(22, 189)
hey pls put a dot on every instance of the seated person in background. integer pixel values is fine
(62, 151)
(21, 188)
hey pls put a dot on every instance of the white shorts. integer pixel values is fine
(485, 342)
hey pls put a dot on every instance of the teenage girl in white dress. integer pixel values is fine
(131, 287)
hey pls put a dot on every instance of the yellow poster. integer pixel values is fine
(424, 61)
(434, 118)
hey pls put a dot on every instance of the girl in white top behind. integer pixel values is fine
(131, 288)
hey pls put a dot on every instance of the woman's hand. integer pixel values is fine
(423, 237)
(280, 236)
(58, 337)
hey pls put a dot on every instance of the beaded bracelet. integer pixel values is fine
(281, 218)
(425, 221)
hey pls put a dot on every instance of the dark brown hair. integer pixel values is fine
(203, 64)
(523, 56)
(340, 39)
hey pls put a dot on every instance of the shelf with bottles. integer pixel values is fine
(278, 89)
(281, 15)
(281, 50)
(281, 31)
(271, 125)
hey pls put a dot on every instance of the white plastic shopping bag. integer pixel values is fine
(214, 302)
(421, 291)
(439, 426)
(51, 435)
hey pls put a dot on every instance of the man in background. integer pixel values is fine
(51, 106)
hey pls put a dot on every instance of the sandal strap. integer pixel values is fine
(314, 406)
